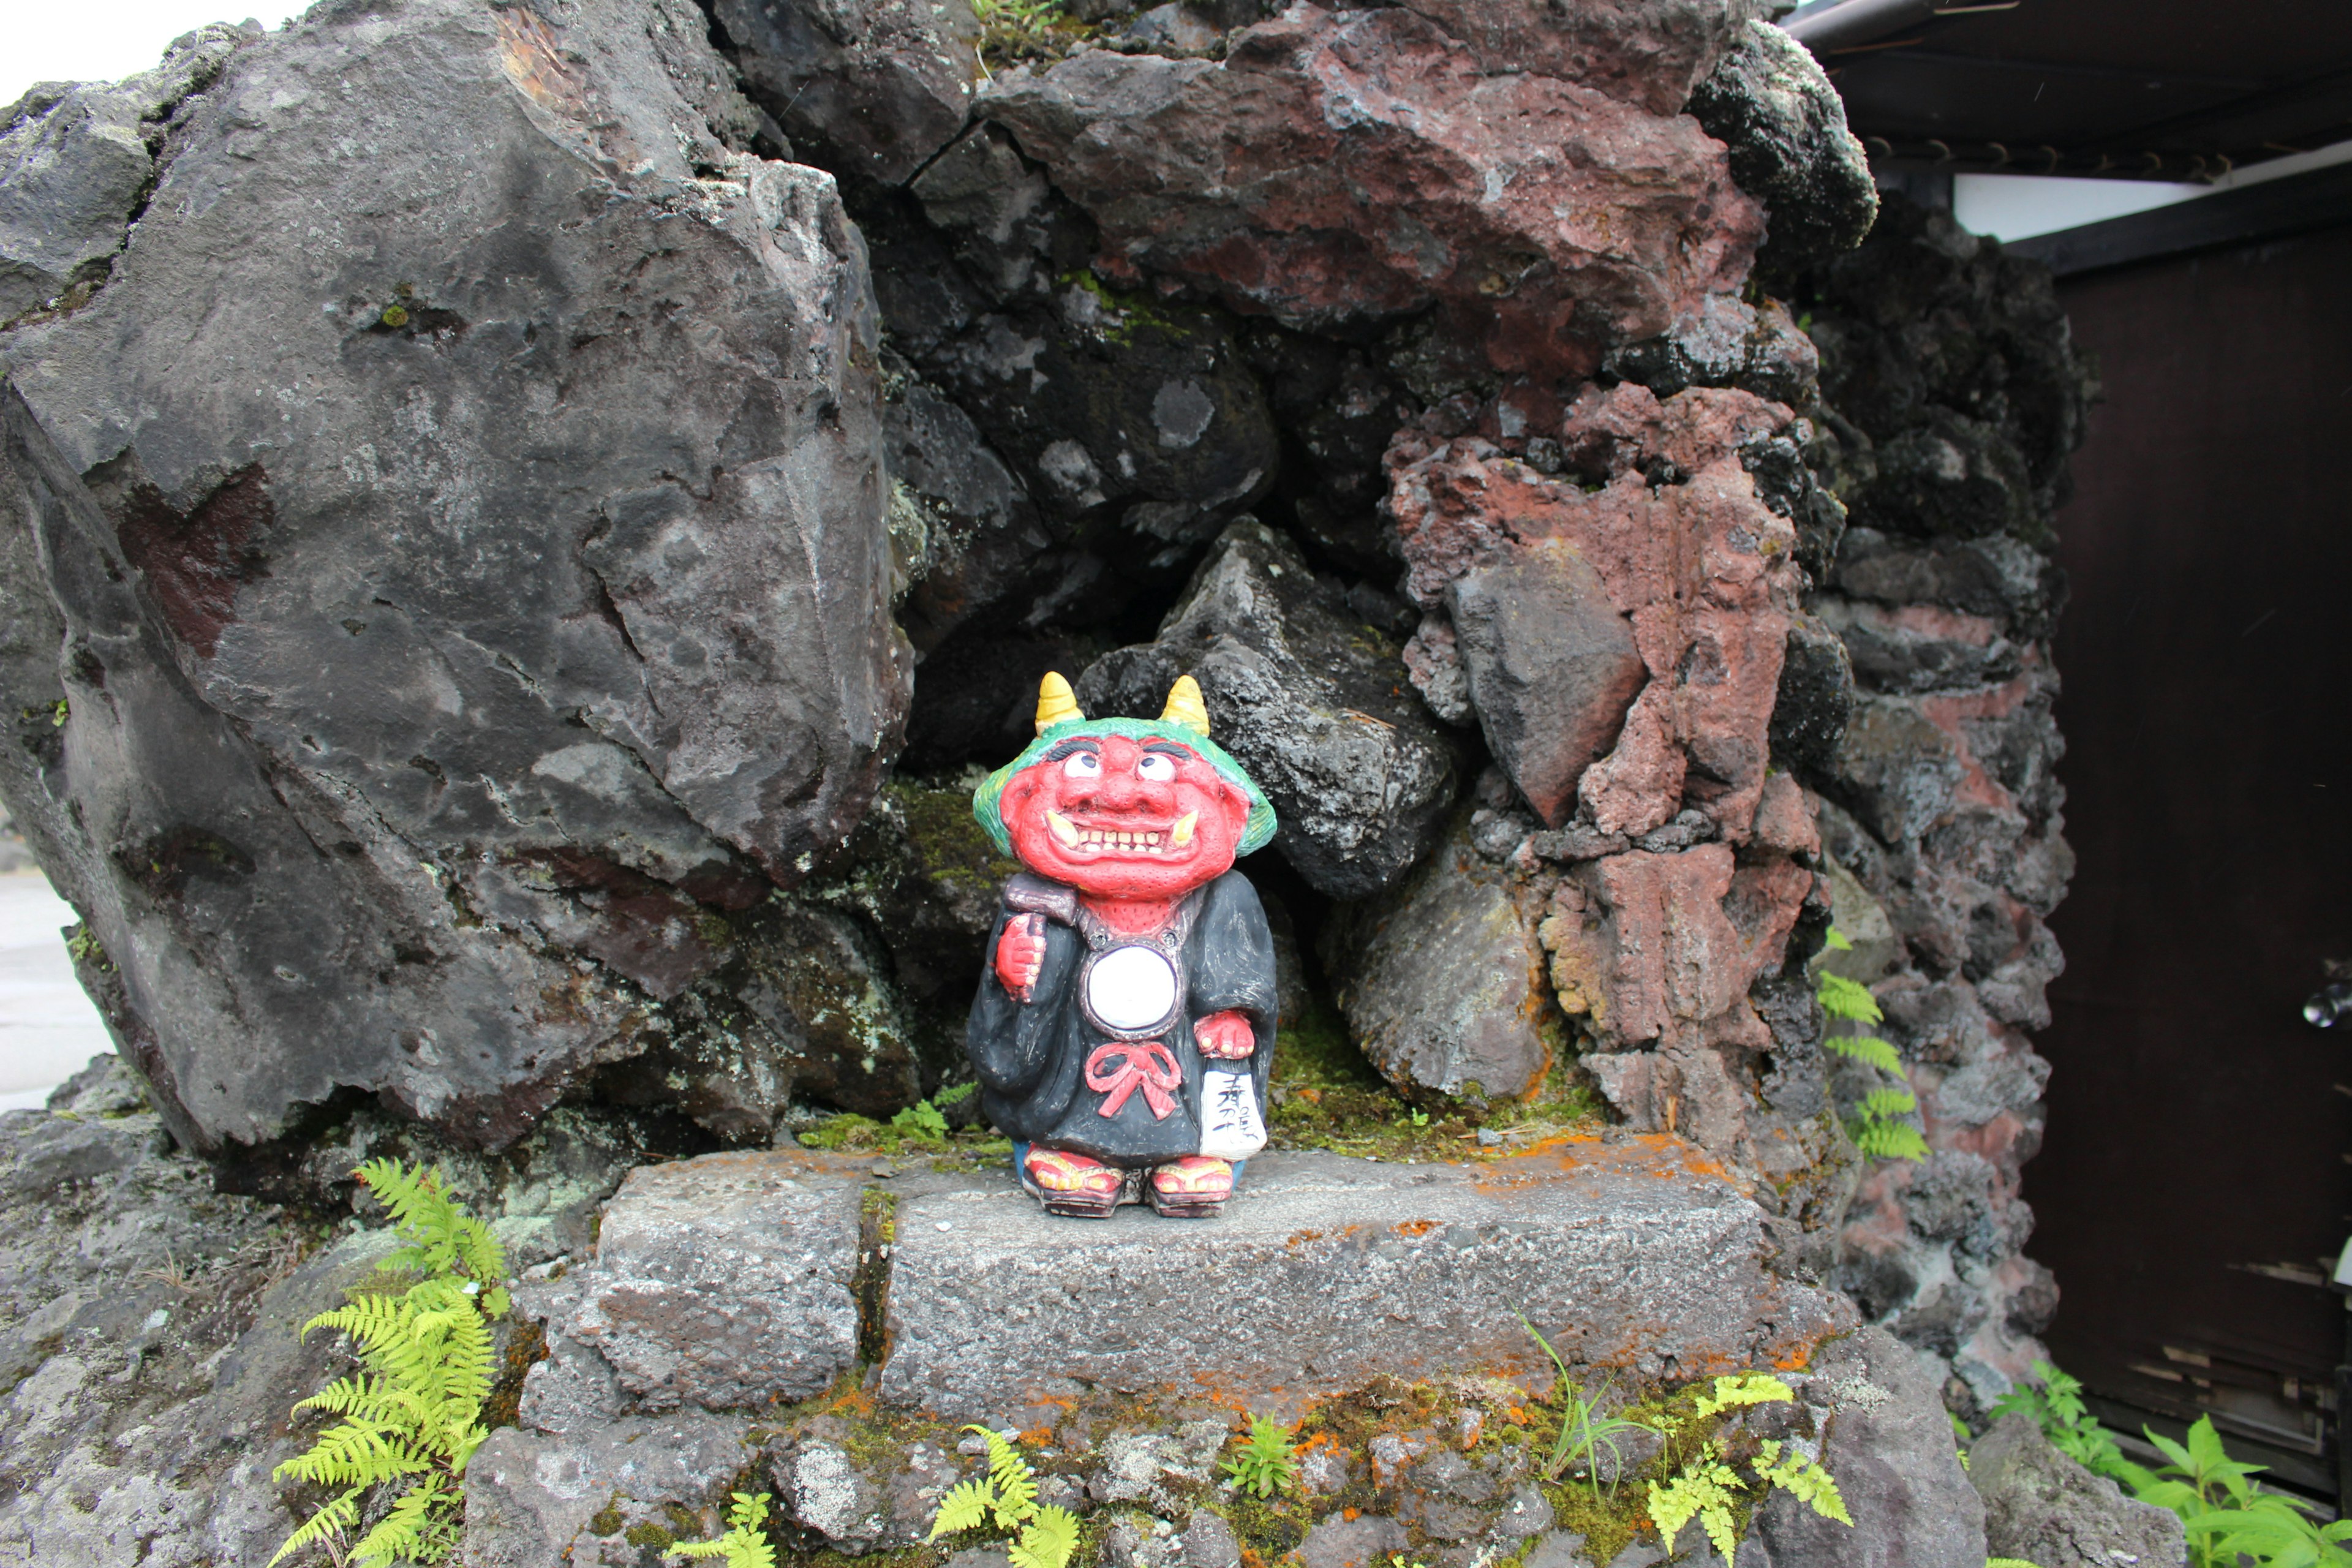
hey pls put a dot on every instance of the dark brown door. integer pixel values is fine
(2193, 1190)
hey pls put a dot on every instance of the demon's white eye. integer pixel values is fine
(1082, 766)
(1157, 766)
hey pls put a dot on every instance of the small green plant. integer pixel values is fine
(2009, 1563)
(1709, 1487)
(1878, 1128)
(2056, 1406)
(1584, 1431)
(1015, 30)
(745, 1545)
(1265, 1463)
(922, 1122)
(2229, 1519)
(1006, 1496)
(412, 1418)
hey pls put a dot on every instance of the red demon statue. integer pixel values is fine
(1125, 1022)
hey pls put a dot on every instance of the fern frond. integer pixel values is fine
(1837, 941)
(1889, 1140)
(1801, 1478)
(1705, 1489)
(1046, 1541)
(405, 1531)
(333, 1521)
(1008, 1473)
(966, 1505)
(1848, 999)
(1881, 1104)
(1868, 1048)
(1740, 1388)
(356, 1454)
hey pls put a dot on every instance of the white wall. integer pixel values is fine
(2018, 206)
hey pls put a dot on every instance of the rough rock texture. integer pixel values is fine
(1664, 604)
(721, 1282)
(874, 88)
(533, 1500)
(2042, 1507)
(442, 677)
(150, 1348)
(79, 160)
(1889, 1443)
(1952, 398)
(1619, 583)
(1339, 166)
(1308, 698)
(1330, 1269)
(1768, 100)
(1491, 1030)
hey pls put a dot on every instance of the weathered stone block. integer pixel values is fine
(1443, 981)
(2043, 1508)
(726, 1280)
(1327, 1271)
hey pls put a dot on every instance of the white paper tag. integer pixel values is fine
(1231, 1128)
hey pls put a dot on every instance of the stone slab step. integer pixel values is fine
(1327, 1271)
(737, 1280)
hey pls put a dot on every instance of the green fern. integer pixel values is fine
(745, 1545)
(412, 1416)
(1007, 1495)
(1879, 1129)
(1740, 1388)
(1709, 1487)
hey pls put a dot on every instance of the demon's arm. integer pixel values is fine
(1232, 978)
(1011, 1040)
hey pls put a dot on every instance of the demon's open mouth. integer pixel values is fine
(1094, 838)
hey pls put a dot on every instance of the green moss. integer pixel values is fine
(606, 1520)
(650, 1534)
(1124, 312)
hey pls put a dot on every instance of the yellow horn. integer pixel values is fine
(1185, 707)
(1055, 702)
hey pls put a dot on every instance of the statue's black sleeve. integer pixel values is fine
(1012, 1042)
(1233, 968)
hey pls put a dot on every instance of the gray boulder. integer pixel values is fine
(872, 87)
(440, 681)
(75, 165)
(1308, 698)
(1768, 100)
(1441, 981)
(1888, 1444)
(533, 1500)
(1550, 664)
(2043, 1508)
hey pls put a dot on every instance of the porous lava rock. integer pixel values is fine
(437, 683)
(1339, 166)
(1889, 1441)
(1770, 102)
(2042, 1506)
(1660, 601)
(1308, 698)
(1487, 1029)
(1951, 399)
(874, 88)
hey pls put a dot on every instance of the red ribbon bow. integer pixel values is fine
(1118, 1071)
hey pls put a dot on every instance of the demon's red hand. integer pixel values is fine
(1225, 1035)
(1021, 954)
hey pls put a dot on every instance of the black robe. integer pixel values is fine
(1031, 1057)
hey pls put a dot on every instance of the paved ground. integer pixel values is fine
(48, 1027)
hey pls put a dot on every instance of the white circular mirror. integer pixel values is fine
(1132, 988)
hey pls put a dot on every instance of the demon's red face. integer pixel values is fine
(1124, 819)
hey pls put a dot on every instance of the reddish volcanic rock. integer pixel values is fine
(1660, 950)
(1336, 167)
(1648, 52)
(1697, 567)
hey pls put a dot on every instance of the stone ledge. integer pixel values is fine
(1327, 1271)
(731, 1281)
